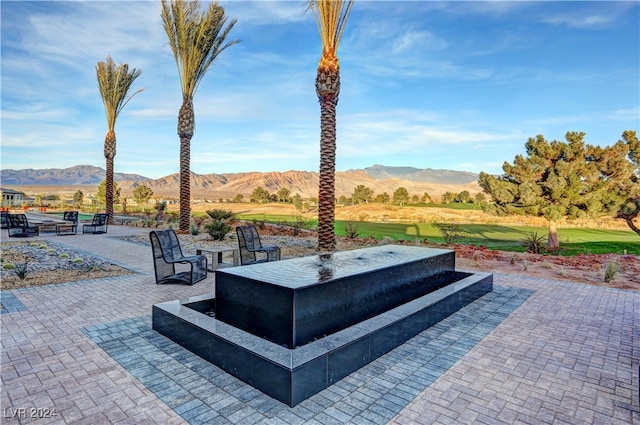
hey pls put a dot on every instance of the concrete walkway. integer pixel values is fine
(532, 352)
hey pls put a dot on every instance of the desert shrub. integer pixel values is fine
(219, 214)
(21, 269)
(533, 243)
(218, 227)
(611, 269)
(172, 217)
(477, 256)
(387, 240)
(217, 230)
(161, 207)
(198, 220)
(297, 225)
(258, 223)
(92, 265)
(351, 230)
(450, 232)
(148, 222)
(195, 229)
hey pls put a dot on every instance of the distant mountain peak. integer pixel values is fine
(220, 186)
(424, 175)
(75, 175)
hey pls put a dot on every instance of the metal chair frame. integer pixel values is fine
(250, 246)
(19, 227)
(68, 228)
(99, 224)
(167, 253)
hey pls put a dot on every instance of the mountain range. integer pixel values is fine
(380, 178)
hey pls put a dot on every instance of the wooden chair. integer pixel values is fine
(250, 246)
(99, 224)
(19, 226)
(167, 253)
(70, 228)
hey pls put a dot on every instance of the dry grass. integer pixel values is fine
(379, 213)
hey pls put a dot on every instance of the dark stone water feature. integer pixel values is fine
(292, 328)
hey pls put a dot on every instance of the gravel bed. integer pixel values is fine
(290, 245)
(45, 256)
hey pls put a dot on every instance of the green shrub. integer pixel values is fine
(258, 223)
(220, 215)
(217, 230)
(352, 230)
(8, 266)
(450, 232)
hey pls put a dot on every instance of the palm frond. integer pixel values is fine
(114, 82)
(196, 38)
(331, 18)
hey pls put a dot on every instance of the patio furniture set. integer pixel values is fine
(167, 253)
(19, 225)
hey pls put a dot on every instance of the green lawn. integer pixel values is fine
(572, 241)
(507, 238)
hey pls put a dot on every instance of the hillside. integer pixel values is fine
(213, 186)
(424, 175)
(76, 175)
(226, 186)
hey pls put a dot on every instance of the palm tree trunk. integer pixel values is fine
(186, 125)
(109, 154)
(327, 192)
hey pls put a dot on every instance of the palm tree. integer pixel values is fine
(331, 18)
(196, 39)
(114, 82)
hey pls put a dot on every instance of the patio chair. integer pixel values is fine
(250, 246)
(99, 224)
(19, 226)
(167, 253)
(71, 227)
(4, 219)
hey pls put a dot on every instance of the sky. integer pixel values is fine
(444, 85)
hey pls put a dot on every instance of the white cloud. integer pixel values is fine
(89, 31)
(413, 41)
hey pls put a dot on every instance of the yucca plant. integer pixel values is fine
(21, 269)
(533, 243)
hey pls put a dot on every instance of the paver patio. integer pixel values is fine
(534, 351)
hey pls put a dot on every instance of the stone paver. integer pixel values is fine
(532, 352)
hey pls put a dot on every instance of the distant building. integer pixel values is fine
(12, 198)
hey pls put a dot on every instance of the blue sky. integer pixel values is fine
(452, 85)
